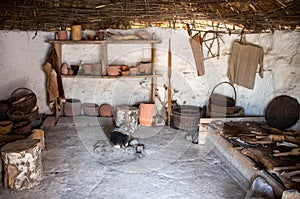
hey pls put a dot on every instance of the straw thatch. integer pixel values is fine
(257, 16)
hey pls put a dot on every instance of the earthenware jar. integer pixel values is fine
(105, 110)
(75, 68)
(145, 68)
(87, 69)
(101, 35)
(62, 35)
(147, 113)
(113, 70)
(72, 107)
(133, 70)
(64, 69)
(90, 109)
(96, 69)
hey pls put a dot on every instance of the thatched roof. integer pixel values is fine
(257, 16)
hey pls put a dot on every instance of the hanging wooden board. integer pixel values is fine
(198, 55)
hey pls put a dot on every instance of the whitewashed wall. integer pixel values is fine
(22, 58)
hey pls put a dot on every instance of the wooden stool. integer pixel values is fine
(126, 118)
(22, 164)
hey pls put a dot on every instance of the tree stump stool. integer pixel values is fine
(126, 118)
(22, 164)
(147, 113)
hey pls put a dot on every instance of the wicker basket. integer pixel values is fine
(17, 116)
(222, 106)
(22, 128)
(4, 107)
(187, 117)
(5, 127)
(23, 100)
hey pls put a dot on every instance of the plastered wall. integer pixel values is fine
(22, 58)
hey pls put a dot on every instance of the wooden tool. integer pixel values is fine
(169, 84)
(285, 168)
(294, 151)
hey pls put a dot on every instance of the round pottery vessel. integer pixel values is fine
(105, 110)
(145, 68)
(147, 113)
(96, 69)
(87, 69)
(113, 70)
(101, 35)
(90, 109)
(70, 71)
(124, 68)
(64, 69)
(62, 35)
(72, 107)
(75, 68)
(133, 71)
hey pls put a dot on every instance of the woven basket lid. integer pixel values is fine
(282, 112)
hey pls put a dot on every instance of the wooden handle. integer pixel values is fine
(169, 86)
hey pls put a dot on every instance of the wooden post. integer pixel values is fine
(22, 164)
(153, 57)
(104, 58)
(169, 85)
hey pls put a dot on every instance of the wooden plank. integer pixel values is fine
(110, 77)
(198, 55)
(71, 42)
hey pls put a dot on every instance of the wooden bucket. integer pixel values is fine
(76, 32)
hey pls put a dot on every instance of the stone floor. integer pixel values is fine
(169, 167)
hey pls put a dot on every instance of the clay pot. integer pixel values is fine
(62, 35)
(105, 110)
(113, 70)
(75, 68)
(90, 109)
(90, 37)
(124, 68)
(64, 69)
(133, 70)
(143, 34)
(87, 69)
(147, 113)
(96, 69)
(145, 68)
(70, 71)
(101, 35)
(72, 107)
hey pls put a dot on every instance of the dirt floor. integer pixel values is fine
(79, 162)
